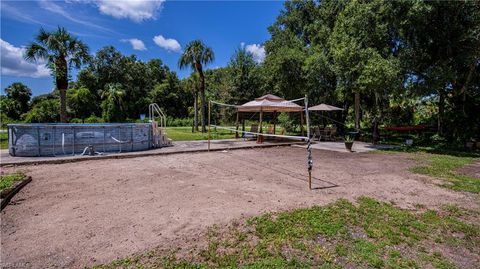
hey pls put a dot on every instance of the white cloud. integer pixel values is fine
(135, 10)
(56, 9)
(13, 63)
(167, 43)
(136, 43)
(257, 50)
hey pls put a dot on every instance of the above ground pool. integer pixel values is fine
(71, 139)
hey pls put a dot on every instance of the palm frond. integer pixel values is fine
(35, 52)
(196, 53)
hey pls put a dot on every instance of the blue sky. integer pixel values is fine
(148, 29)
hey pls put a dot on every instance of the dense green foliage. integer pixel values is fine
(406, 62)
(370, 234)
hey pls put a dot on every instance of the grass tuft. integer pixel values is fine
(7, 181)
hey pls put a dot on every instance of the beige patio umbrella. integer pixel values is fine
(324, 107)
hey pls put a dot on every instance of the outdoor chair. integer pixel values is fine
(253, 129)
(333, 133)
(270, 132)
(312, 133)
(318, 133)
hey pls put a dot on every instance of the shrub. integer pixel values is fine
(176, 122)
(93, 119)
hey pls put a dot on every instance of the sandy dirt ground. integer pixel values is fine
(78, 214)
(472, 170)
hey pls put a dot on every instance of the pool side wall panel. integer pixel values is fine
(27, 140)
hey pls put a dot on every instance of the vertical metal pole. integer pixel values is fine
(150, 135)
(74, 136)
(309, 148)
(104, 139)
(38, 140)
(131, 136)
(54, 141)
(209, 111)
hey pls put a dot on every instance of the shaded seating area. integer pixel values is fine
(321, 132)
(249, 136)
(266, 104)
(324, 133)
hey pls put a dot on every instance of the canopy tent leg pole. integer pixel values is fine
(209, 110)
(236, 126)
(309, 146)
(301, 123)
(243, 126)
(274, 122)
(260, 137)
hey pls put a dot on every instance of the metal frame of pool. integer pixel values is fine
(43, 139)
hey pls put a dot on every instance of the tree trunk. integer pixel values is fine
(195, 113)
(441, 109)
(202, 97)
(357, 111)
(61, 81)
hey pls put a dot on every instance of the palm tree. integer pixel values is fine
(61, 51)
(112, 105)
(192, 85)
(196, 55)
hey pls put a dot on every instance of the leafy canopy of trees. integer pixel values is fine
(390, 62)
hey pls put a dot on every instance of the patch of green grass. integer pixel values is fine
(442, 164)
(444, 167)
(438, 261)
(185, 133)
(3, 140)
(369, 234)
(7, 181)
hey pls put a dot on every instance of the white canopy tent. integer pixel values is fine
(269, 103)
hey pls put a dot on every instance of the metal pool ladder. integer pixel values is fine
(160, 138)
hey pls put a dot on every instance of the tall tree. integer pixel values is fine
(113, 102)
(81, 102)
(61, 51)
(19, 93)
(195, 56)
(245, 82)
(443, 54)
(191, 84)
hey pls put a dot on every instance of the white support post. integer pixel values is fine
(309, 148)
